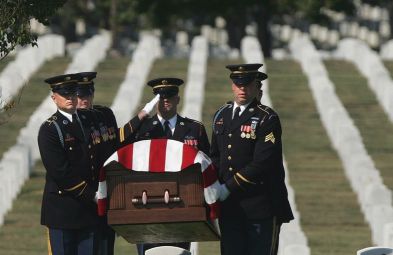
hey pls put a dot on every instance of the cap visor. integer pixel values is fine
(242, 80)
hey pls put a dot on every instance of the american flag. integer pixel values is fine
(164, 155)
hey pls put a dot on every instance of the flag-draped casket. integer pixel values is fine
(158, 191)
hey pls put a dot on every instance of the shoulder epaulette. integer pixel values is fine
(221, 109)
(192, 120)
(227, 104)
(269, 112)
(51, 119)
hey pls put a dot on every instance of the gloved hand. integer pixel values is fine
(224, 192)
(150, 105)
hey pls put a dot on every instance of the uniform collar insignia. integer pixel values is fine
(251, 109)
(155, 122)
(181, 123)
(65, 122)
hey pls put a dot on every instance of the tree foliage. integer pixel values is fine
(15, 18)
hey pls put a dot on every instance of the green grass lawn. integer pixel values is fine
(33, 93)
(389, 66)
(361, 103)
(330, 214)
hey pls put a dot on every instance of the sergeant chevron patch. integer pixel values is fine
(270, 137)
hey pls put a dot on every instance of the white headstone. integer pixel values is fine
(220, 22)
(384, 29)
(181, 39)
(80, 27)
(388, 234)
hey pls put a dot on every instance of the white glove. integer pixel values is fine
(150, 105)
(224, 192)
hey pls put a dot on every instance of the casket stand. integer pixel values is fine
(146, 207)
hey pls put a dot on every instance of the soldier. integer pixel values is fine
(167, 123)
(247, 151)
(72, 146)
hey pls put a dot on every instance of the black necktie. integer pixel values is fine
(236, 114)
(167, 129)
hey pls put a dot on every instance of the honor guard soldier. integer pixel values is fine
(112, 138)
(71, 148)
(167, 123)
(247, 151)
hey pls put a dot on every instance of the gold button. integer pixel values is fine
(230, 169)
(229, 157)
(91, 156)
(229, 146)
(89, 146)
(230, 135)
(92, 167)
(60, 192)
(70, 148)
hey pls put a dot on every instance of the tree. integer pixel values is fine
(15, 18)
(15, 30)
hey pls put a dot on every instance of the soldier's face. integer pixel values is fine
(65, 103)
(245, 94)
(85, 102)
(168, 106)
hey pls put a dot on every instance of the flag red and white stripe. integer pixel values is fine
(163, 155)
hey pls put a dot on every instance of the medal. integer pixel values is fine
(243, 135)
(248, 136)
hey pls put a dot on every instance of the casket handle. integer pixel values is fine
(144, 199)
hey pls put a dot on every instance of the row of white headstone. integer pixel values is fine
(130, 91)
(331, 37)
(372, 13)
(194, 91)
(17, 162)
(371, 66)
(27, 61)
(292, 238)
(374, 197)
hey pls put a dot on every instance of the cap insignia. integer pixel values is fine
(85, 79)
(67, 78)
(241, 68)
(164, 82)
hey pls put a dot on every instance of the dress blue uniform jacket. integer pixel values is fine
(248, 156)
(72, 159)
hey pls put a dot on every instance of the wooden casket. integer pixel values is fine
(147, 207)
